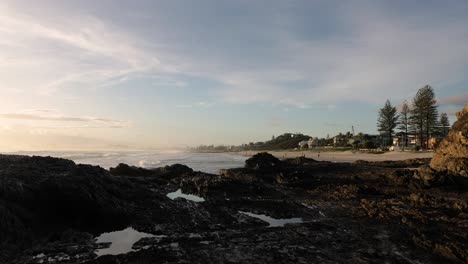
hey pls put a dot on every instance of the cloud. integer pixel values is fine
(43, 140)
(273, 55)
(197, 104)
(70, 50)
(454, 100)
(50, 115)
(358, 61)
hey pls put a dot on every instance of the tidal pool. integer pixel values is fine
(273, 222)
(122, 241)
(191, 197)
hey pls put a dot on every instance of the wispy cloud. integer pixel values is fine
(71, 50)
(196, 104)
(297, 58)
(391, 57)
(51, 115)
(357, 61)
(454, 99)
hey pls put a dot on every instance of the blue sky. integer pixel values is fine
(151, 74)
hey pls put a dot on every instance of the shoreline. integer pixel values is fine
(343, 156)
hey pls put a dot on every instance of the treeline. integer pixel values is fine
(418, 119)
(284, 141)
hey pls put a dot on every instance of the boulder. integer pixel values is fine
(299, 161)
(262, 161)
(452, 154)
(131, 171)
(166, 172)
(174, 170)
(43, 195)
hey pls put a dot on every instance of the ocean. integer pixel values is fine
(206, 162)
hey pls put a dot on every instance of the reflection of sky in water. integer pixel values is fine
(122, 241)
(191, 197)
(206, 162)
(272, 221)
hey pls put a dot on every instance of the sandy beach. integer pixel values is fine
(345, 156)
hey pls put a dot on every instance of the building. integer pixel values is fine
(313, 142)
(303, 144)
(340, 140)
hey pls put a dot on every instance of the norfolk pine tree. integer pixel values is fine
(424, 114)
(387, 120)
(404, 121)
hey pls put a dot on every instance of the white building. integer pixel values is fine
(303, 143)
(313, 142)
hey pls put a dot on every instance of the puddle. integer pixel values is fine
(274, 222)
(191, 197)
(122, 241)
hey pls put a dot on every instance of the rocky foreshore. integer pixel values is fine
(365, 212)
(270, 211)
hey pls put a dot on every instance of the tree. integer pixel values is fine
(444, 124)
(404, 121)
(424, 114)
(387, 121)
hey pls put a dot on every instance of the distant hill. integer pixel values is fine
(285, 141)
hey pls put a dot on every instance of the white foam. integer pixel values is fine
(191, 197)
(122, 241)
(148, 164)
(273, 222)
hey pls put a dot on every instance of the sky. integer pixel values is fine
(78, 75)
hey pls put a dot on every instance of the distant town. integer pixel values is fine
(415, 126)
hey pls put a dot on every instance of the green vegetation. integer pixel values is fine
(404, 121)
(387, 121)
(444, 124)
(282, 142)
(419, 125)
(285, 141)
(420, 122)
(424, 115)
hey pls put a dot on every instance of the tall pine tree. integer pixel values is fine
(404, 121)
(424, 115)
(444, 124)
(387, 121)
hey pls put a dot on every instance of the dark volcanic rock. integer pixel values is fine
(299, 161)
(167, 172)
(271, 211)
(409, 163)
(435, 222)
(40, 196)
(262, 161)
(126, 170)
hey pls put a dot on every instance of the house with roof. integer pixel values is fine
(303, 144)
(340, 140)
(313, 142)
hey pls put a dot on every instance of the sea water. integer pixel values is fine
(206, 162)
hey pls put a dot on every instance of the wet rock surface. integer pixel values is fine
(52, 210)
